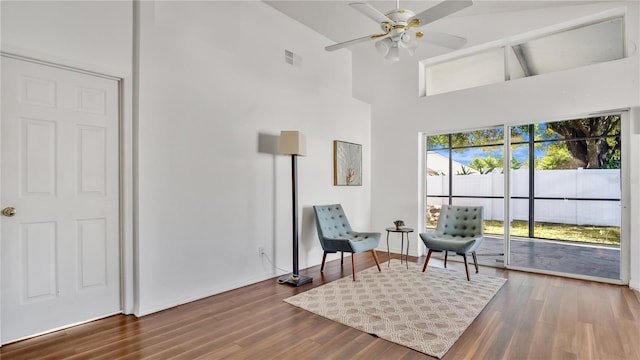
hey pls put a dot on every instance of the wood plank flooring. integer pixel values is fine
(532, 317)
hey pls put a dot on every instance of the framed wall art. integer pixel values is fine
(347, 164)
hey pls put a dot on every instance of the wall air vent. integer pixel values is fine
(292, 59)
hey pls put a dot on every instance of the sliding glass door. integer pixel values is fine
(563, 192)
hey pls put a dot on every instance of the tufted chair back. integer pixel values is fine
(463, 221)
(331, 222)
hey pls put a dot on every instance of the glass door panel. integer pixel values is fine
(467, 169)
(565, 211)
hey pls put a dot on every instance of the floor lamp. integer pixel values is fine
(295, 144)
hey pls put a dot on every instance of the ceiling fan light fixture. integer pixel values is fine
(384, 45)
(406, 40)
(394, 54)
(412, 48)
(410, 42)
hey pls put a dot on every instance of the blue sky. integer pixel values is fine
(466, 156)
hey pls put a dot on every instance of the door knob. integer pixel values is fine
(9, 211)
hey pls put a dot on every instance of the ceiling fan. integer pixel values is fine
(398, 28)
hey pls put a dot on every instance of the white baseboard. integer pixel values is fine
(152, 308)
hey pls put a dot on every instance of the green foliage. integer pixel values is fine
(493, 136)
(485, 165)
(613, 161)
(564, 232)
(590, 143)
(465, 171)
(556, 157)
(594, 142)
(609, 235)
(489, 164)
(516, 164)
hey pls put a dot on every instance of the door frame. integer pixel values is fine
(126, 147)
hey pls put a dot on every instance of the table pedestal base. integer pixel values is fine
(402, 231)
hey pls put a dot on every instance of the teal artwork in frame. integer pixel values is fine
(347, 164)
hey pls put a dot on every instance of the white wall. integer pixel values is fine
(399, 116)
(215, 92)
(94, 35)
(214, 95)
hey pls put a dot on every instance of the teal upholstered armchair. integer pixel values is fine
(335, 234)
(460, 229)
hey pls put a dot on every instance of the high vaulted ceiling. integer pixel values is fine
(336, 20)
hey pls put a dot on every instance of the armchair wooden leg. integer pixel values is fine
(446, 254)
(466, 266)
(324, 257)
(427, 261)
(375, 257)
(353, 266)
(341, 257)
(475, 260)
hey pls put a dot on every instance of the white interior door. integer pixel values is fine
(60, 251)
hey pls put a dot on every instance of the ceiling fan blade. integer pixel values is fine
(441, 10)
(355, 41)
(371, 12)
(445, 40)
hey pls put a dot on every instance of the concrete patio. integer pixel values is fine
(568, 257)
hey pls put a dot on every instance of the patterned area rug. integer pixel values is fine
(426, 311)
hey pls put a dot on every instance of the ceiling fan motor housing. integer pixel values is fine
(400, 19)
(400, 16)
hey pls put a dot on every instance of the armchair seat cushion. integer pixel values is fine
(352, 241)
(458, 244)
(363, 241)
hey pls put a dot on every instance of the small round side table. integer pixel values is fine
(402, 231)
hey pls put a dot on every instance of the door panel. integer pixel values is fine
(38, 242)
(60, 252)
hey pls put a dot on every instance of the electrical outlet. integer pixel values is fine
(260, 251)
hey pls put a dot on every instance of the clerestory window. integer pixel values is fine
(571, 48)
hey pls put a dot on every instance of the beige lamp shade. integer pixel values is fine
(293, 143)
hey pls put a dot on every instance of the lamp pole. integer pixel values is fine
(294, 278)
(294, 205)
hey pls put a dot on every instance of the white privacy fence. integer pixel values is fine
(563, 184)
